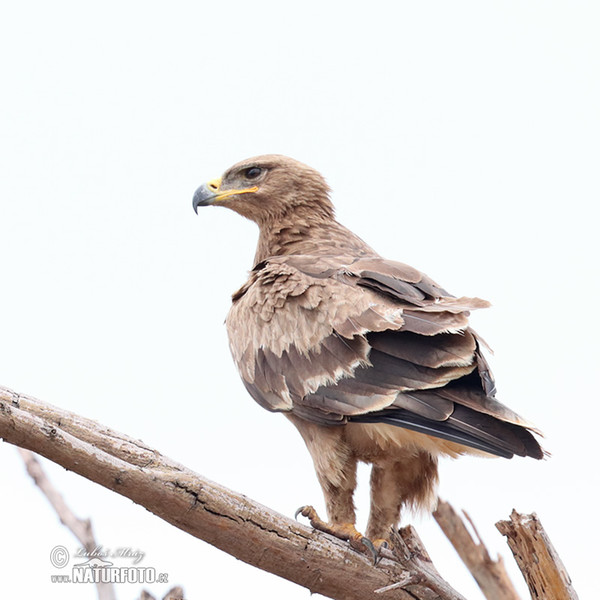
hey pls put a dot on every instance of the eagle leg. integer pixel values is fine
(396, 483)
(343, 531)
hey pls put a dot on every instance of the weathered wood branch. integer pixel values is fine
(261, 537)
(175, 593)
(539, 562)
(211, 512)
(410, 552)
(80, 528)
(490, 574)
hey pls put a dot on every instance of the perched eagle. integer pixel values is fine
(370, 359)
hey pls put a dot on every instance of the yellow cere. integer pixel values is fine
(214, 184)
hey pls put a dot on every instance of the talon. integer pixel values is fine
(371, 548)
(299, 511)
(380, 543)
(309, 512)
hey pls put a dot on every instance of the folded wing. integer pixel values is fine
(338, 339)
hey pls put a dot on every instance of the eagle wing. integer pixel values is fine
(336, 339)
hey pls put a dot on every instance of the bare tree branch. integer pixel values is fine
(539, 562)
(255, 534)
(410, 552)
(175, 593)
(490, 574)
(80, 528)
(232, 522)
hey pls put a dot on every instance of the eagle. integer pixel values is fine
(369, 358)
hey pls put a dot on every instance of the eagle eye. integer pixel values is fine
(252, 172)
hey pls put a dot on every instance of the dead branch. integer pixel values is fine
(232, 522)
(80, 528)
(539, 562)
(490, 574)
(175, 593)
(409, 550)
(253, 533)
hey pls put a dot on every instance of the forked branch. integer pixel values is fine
(229, 521)
(490, 574)
(232, 522)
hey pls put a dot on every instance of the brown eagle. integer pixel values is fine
(369, 358)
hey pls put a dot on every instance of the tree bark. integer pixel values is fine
(229, 521)
(490, 574)
(539, 562)
(259, 536)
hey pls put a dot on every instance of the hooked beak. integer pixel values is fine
(206, 194)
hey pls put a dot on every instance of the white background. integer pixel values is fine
(459, 137)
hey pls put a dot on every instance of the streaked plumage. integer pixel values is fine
(369, 358)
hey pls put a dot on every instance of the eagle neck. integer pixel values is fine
(316, 236)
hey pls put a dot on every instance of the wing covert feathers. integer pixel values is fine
(338, 339)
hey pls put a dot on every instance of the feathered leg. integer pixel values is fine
(396, 484)
(335, 465)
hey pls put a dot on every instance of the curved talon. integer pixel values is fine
(300, 510)
(371, 548)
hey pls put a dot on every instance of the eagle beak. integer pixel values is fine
(206, 194)
(210, 192)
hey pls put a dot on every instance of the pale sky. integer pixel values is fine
(461, 138)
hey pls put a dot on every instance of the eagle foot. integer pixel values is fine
(343, 531)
